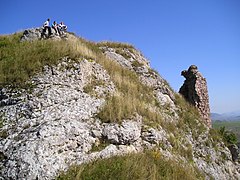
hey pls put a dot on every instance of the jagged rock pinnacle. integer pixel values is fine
(195, 92)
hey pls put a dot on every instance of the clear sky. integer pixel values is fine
(172, 34)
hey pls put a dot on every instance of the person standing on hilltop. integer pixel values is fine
(47, 27)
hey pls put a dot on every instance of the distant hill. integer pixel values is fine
(231, 116)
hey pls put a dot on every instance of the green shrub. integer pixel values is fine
(219, 135)
(228, 136)
(215, 136)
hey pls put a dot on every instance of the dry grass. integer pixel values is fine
(115, 45)
(132, 96)
(149, 165)
(21, 60)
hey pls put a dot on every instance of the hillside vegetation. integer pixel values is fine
(233, 126)
(186, 142)
(21, 60)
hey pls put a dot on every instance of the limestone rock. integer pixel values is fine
(156, 136)
(126, 133)
(195, 92)
(37, 34)
(48, 127)
(32, 34)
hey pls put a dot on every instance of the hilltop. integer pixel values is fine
(75, 109)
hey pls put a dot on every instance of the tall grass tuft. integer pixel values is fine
(115, 45)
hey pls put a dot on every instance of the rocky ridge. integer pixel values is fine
(53, 124)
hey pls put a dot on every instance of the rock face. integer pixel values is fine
(53, 125)
(195, 92)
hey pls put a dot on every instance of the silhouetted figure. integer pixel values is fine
(56, 28)
(62, 28)
(47, 27)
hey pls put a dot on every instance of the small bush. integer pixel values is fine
(215, 135)
(228, 136)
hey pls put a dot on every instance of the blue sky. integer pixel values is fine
(172, 34)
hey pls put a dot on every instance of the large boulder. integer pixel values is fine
(126, 133)
(32, 34)
(38, 33)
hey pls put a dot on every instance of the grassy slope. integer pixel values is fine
(20, 60)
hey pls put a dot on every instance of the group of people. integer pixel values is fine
(59, 29)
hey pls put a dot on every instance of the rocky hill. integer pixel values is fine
(67, 102)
